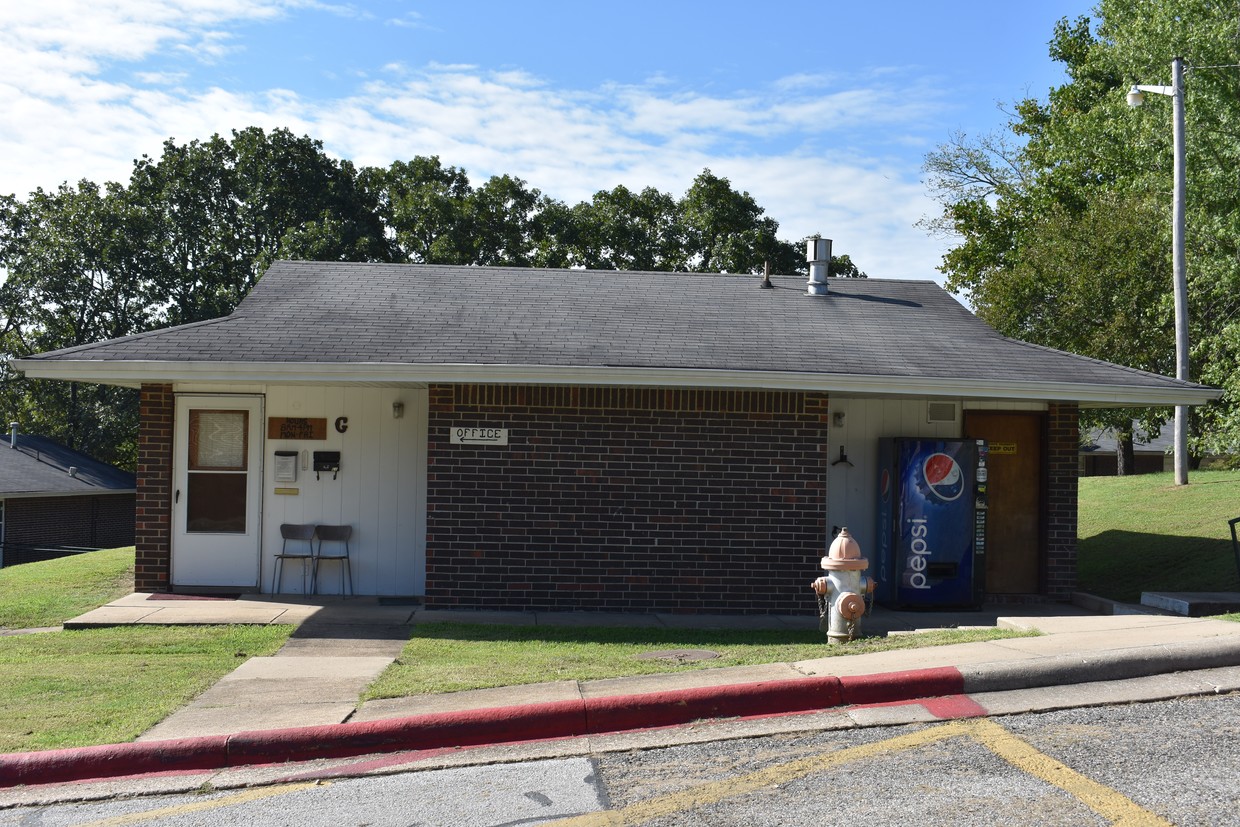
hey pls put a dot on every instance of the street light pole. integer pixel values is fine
(1178, 272)
(1179, 275)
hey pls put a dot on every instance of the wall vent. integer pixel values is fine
(941, 412)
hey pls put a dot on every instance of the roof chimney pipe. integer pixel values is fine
(12, 434)
(818, 253)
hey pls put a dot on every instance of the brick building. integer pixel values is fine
(503, 438)
(52, 497)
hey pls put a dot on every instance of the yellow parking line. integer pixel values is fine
(716, 791)
(180, 809)
(1108, 803)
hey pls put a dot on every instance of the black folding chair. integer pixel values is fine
(298, 534)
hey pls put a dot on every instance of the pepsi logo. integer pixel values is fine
(884, 485)
(943, 478)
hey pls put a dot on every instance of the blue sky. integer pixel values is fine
(821, 110)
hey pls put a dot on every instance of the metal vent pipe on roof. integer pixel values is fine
(818, 253)
(12, 434)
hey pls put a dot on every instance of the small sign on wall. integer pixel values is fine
(479, 436)
(294, 427)
(1002, 448)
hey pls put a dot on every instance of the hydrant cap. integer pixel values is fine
(844, 554)
(844, 547)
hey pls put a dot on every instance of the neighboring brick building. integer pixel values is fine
(52, 497)
(504, 438)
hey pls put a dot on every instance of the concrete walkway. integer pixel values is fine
(296, 715)
(342, 645)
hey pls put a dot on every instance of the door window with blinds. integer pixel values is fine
(217, 472)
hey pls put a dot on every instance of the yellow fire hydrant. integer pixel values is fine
(842, 593)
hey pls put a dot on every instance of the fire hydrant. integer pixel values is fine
(842, 593)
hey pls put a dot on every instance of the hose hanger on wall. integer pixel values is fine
(843, 460)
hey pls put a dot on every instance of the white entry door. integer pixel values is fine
(217, 496)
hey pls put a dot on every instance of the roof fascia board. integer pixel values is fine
(134, 373)
(85, 492)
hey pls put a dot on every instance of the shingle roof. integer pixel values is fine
(368, 314)
(41, 466)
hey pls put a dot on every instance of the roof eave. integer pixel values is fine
(93, 491)
(136, 373)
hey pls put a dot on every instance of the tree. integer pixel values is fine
(1063, 221)
(726, 231)
(218, 212)
(622, 230)
(423, 203)
(72, 278)
(505, 218)
(196, 227)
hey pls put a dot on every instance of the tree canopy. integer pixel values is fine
(1062, 218)
(194, 229)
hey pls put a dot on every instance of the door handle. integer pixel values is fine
(176, 497)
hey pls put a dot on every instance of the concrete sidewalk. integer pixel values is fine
(341, 645)
(302, 703)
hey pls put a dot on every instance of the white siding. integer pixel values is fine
(851, 491)
(380, 491)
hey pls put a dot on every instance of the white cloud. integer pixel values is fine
(795, 145)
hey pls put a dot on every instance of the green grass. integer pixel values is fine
(1143, 533)
(98, 686)
(449, 657)
(33, 595)
(105, 685)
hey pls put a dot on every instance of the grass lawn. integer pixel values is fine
(1142, 533)
(100, 686)
(448, 657)
(104, 685)
(48, 593)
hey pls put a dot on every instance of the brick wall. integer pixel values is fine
(100, 521)
(626, 499)
(153, 508)
(1062, 470)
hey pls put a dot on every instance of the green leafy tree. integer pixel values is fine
(72, 279)
(513, 225)
(196, 227)
(218, 212)
(1062, 223)
(619, 229)
(726, 231)
(424, 205)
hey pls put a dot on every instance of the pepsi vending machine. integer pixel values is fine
(931, 523)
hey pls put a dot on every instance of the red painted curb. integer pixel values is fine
(497, 725)
(446, 729)
(681, 706)
(108, 760)
(902, 686)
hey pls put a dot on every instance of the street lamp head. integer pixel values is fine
(1135, 97)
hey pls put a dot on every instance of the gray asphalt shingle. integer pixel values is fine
(41, 466)
(327, 312)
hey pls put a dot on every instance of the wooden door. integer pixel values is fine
(1014, 492)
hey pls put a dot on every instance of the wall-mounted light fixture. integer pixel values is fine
(837, 419)
(398, 410)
